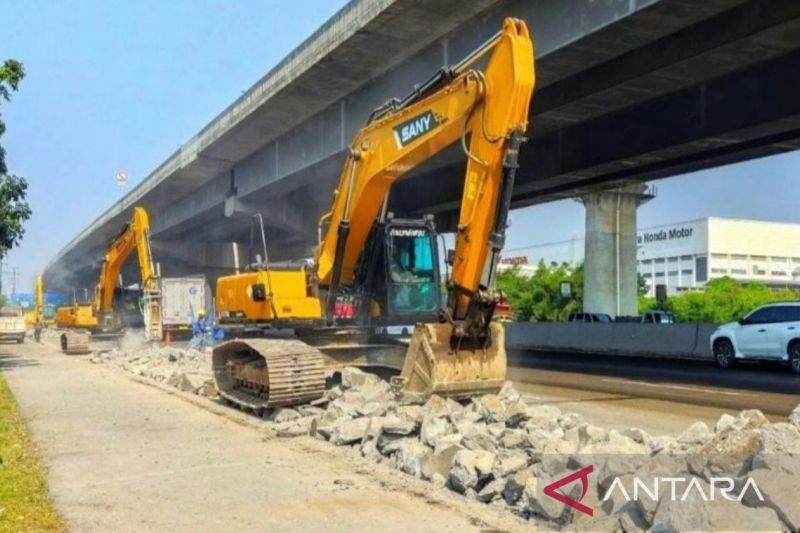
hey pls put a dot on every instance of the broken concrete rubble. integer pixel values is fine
(348, 430)
(185, 369)
(794, 417)
(502, 449)
(439, 462)
(493, 450)
(399, 425)
(433, 428)
(471, 467)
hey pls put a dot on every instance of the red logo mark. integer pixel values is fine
(583, 475)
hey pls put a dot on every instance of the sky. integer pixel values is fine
(760, 189)
(117, 85)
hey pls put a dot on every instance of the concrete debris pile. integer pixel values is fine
(183, 368)
(48, 334)
(500, 450)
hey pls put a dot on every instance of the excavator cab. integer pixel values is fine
(412, 270)
(398, 278)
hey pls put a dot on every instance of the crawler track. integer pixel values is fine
(75, 342)
(265, 373)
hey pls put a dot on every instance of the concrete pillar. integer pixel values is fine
(610, 280)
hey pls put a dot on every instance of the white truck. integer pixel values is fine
(12, 324)
(181, 299)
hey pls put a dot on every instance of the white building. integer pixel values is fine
(686, 255)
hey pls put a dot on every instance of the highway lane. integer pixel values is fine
(770, 388)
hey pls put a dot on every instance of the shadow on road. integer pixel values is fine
(9, 360)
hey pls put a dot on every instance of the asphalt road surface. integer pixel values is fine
(770, 388)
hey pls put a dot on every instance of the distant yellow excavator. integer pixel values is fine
(36, 315)
(372, 270)
(98, 317)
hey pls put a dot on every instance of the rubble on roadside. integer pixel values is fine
(186, 369)
(499, 449)
(49, 334)
(502, 450)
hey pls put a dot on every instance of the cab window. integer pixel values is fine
(787, 313)
(412, 271)
(765, 315)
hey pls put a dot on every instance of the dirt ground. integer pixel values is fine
(125, 456)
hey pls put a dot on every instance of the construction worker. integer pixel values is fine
(37, 329)
(199, 324)
(201, 329)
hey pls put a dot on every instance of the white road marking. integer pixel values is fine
(678, 387)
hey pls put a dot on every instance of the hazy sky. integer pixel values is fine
(763, 189)
(115, 85)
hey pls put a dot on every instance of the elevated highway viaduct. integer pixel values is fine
(628, 91)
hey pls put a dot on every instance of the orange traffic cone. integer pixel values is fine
(168, 338)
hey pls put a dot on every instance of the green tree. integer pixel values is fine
(14, 209)
(538, 296)
(641, 284)
(723, 300)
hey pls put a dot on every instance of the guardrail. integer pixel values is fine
(669, 341)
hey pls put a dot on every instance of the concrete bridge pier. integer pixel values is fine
(610, 275)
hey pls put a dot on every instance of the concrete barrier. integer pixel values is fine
(668, 341)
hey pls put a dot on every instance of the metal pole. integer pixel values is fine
(266, 257)
(619, 199)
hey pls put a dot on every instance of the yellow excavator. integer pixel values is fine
(98, 317)
(38, 309)
(36, 315)
(372, 269)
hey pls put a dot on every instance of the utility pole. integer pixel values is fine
(14, 272)
(10, 275)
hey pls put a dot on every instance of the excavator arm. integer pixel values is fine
(134, 236)
(489, 106)
(38, 309)
(497, 128)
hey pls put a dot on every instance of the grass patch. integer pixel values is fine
(25, 502)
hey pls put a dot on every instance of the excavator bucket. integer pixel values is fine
(437, 364)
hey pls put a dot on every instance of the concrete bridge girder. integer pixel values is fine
(323, 136)
(627, 90)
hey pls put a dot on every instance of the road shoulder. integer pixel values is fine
(126, 456)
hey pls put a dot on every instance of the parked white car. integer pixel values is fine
(12, 324)
(771, 332)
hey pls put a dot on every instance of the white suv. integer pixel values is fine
(771, 332)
